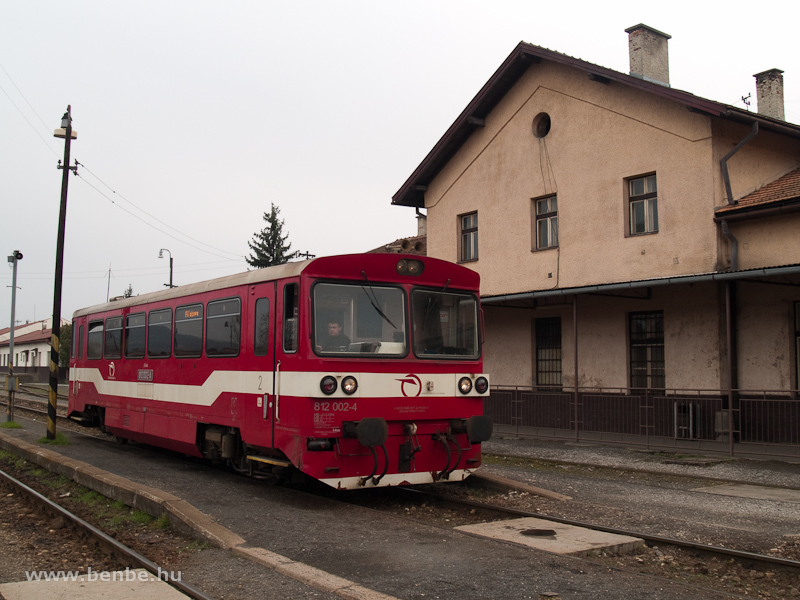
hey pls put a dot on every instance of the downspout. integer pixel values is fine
(734, 245)
(730, 291)
(726, 178)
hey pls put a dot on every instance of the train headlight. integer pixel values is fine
(465, 385)
(328, 385)
(410, 267)
(349, 385)
(481, 385)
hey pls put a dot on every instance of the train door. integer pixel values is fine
(287, 341)
(262, 318)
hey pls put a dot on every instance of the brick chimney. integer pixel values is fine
(648, 53)
(769, 92)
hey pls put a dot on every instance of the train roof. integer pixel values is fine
(355, 262)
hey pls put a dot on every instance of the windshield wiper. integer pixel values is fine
(432, 302)
(374, 303)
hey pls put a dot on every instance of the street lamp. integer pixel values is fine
(68, 134)
(161, 255)
(15, 257)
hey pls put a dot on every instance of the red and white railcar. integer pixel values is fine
(243, 369)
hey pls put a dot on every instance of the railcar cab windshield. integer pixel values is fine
(371, 319)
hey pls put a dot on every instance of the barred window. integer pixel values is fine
(647, 350)
(548, 352)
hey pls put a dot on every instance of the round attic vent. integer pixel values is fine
(541, 125)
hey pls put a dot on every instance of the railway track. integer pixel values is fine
(107, 543)
(486, 509)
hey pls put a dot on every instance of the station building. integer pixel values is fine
(31, 350)
(638, 249)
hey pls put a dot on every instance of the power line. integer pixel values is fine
(150, 224)
(154, 217)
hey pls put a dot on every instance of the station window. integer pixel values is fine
(261, 333)
(113, 337)
(643, 205)
(468, 237)
(135, 332)
(159, 334)
(548, 352)
(94, 347)
(223, 327)
(647, 350)
(189, 331)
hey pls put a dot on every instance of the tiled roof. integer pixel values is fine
(29, 338)
(786, 188)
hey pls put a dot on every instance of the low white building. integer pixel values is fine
(31, 348)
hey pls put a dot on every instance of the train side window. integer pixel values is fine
(223, 327)
(261, 336)
(94, 347)
(74, 344)
(159, 334)
(113, 341)
(135, 335)
(189, 331)
(290, 313)
(80, 342)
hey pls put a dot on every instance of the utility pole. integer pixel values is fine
(68, 134)
(15, 257)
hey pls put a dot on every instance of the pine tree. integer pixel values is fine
(269, 245)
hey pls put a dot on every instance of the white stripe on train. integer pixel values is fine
(290, 383)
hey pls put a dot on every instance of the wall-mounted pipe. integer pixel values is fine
(734, 246)
(724, 162)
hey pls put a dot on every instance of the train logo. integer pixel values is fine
(413, 381)
(112, 370)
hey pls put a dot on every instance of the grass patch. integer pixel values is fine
(10, 425)
(141, 517)
(197, 545)
(90, 497)
(61, 440)
(37, 472)
(162, 522)
(6, 456)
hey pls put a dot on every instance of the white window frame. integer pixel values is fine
(468, 237)
(545, 212)
(642, 201)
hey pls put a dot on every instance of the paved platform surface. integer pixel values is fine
(366, 554)
(558, 538)
(132, 584)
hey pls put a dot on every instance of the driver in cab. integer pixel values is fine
(334, 340)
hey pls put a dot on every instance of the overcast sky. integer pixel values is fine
(192, 117)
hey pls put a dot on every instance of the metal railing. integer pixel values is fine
(759, 422)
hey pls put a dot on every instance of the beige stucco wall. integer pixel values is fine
(693, 353)
(766, 336)
(600, 135)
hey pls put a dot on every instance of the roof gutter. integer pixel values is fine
(629, 285)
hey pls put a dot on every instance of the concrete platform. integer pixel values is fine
(131, 584)
(756, 492)
(556, 537)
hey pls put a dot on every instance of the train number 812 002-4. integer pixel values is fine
(334, 406)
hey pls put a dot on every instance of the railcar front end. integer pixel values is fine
(359, 371)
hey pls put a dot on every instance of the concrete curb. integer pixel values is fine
(184, 517)
(503, 484)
